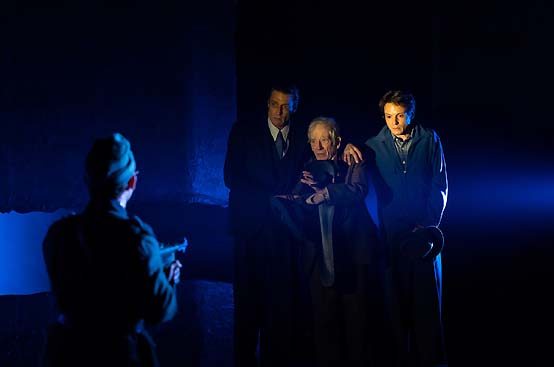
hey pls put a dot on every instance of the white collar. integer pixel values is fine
(274, 131)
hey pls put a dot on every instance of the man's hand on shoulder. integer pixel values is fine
(352, 154)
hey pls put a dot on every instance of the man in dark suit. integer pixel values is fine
(263, 159)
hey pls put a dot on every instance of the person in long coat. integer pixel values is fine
(412, 191)
(107, 276)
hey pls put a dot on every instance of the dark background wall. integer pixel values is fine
(173, 77)
(161, 74)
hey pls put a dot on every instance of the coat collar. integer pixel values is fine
(385, 134)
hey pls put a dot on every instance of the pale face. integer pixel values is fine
(321, 143)
(279, 108)
(398, 121)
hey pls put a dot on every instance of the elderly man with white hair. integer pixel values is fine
(326, 212)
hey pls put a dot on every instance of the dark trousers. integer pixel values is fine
(413, 295)
(340, 315)
(267, 300)
(249, 299)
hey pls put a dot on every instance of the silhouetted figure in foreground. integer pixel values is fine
(106, 272)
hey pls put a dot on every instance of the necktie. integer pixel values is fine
(327, 262)
(280, 144)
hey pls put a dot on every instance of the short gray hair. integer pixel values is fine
(329, 123)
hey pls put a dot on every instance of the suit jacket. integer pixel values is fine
(253, 172)
(355, 238)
